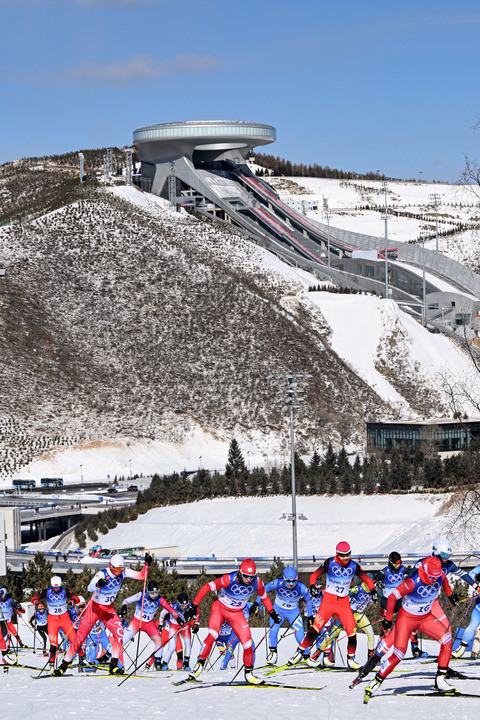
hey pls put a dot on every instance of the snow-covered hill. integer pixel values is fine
(136, 339)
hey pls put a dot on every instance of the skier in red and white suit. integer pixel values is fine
(418, 594)
(105, 586)
(340, 571)
(234, 591)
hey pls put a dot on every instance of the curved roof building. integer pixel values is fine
(212, 139)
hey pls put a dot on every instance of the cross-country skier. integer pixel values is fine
(147, 605)
(55, 597)
(178, 628)
(360, 598)
(39, 622)
(340, 571)
(234, 591)
(469, 631)
(105, 586)
(7, 607)
(418, 593)
(289, 593)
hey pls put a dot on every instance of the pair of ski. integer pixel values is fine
(427, 693)
(195, 683)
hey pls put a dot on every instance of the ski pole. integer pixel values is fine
(243, 664)
(141, 615)
(151, 655)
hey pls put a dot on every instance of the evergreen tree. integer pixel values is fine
(13, 583)
(235, 469)
(275, 481)
(38, 574)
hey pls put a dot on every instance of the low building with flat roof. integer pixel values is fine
(445, 434)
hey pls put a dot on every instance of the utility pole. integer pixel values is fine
(290, 388)
(82, 166)
(327, 214)
(385, 217)
(435, 201)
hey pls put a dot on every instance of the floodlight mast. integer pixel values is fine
(435, 201)
(385, 217)
(290, 389)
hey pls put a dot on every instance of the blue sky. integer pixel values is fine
(355, 85)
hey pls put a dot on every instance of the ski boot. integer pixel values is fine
(60, 670)
(186, 664)
(441, 684)
(373, 688)
(114, 668)
(460, 651)
(352, 664)
(7, 659)
(251, 678)
(296, 658)
(197, 669)
(416, 652)
(272, 656)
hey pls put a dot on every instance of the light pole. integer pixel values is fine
(81, 473)
(327, 214)
(385, 217)
(424, 285)
(290, 388)
(435, 201)
(130, 463)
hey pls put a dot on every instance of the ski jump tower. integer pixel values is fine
(195, 145)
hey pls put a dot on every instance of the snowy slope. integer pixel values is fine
(238, 527)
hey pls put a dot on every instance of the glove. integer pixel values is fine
(379, 585)
(252, 610)
(195, 628)
(476, 587)
(101, 583)
(386, 625)
(454, 599)
(123, 611)
(314, 590)
(76, 599)
(374, 595)
(190, 612)
(20, 610)
(309, 621)
(180, 620)
(277, 619)
(148, 559)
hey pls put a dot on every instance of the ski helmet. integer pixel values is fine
(290, 577)
(56, 583)
(3, 592)
(248, 570)
(40, 607)
(116, 565)
(441, 548)
(153, 589)
(394, 561)
(182, 599)
(343, 553)
(430, 570)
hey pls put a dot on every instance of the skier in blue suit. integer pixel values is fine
(469, 631)
(289, 593)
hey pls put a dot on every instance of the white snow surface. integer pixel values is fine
(242, 527)
(89, 696)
